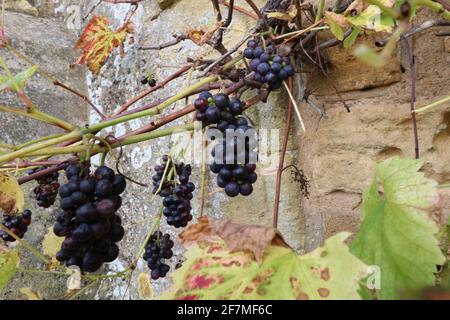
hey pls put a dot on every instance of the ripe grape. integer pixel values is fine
(89, 221)
(17, 224)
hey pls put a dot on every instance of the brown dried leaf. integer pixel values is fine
(254, 238)
(202, 35)
(237, 237)
(356, 7)
(289, 15)
(201, 231)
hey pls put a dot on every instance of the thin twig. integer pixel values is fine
(412, 99)
(226, 55)
(255, 8)
(158, 86)
(177, 39)
(230, 14)
(82, 96)
(240, 9)
(416, 29)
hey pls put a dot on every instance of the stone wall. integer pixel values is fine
(338, 153)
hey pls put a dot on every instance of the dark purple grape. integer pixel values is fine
(104, 188)
(232, 189)
(119, 184)
(246, 189)
(251, 44)
(201, 104)
(254, 64)
(103, 172)
(265, 57)
(221, 101)
(257, 52)
(275, 67)
(263, 68)
(248, 53)
(212, 114)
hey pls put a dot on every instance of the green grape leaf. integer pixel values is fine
(9, 262)
(350, 40)
(372, 18)
(20, 79)
(211, 271)
(397, 232)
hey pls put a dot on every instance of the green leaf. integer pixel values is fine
(335, 29)
(397, 233)
(20, 78)
(212, 272)
(372, 18)
(369, 56)
(9, 261)
(350, 40)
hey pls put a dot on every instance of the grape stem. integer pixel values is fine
(24, 243)
(282, 156)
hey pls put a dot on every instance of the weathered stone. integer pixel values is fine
(49, 44)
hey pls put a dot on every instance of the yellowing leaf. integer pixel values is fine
(211, 271)
(98, 40)
(9, 263)
(335, 29)
(51, 244)
(20, 79)
(350, 40)
(145, 288)
(339, 19)
(202, 35)
(11, 196)
(30, 294)
(372, 18)
(286, 16)
(74, 281)
(238, 237)
(398, 233)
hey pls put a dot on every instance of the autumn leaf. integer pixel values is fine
(145, 288)
(211, 271)
(51, 245)
(98, 41)
(11, 196)
(202, 35)
(238, 237)
(289, 15)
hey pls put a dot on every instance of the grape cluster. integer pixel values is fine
(47, 190)
(89, 221)
(219, 109)
(17, 224)
(176, 192)
(235, 162)
(157, 249)
(269, 67)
